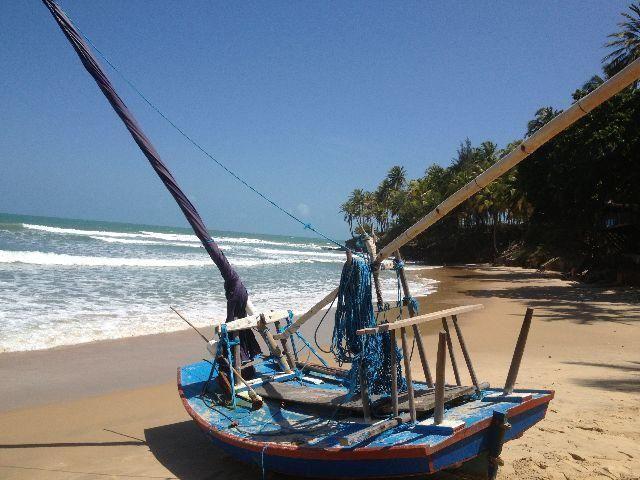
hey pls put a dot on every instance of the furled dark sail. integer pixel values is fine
(235, 292)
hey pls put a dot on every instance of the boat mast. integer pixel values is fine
(235, 291)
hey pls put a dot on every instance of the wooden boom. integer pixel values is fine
(419, 319)
(561, 122)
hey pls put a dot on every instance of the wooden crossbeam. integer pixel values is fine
(252, 321)
(419, 319)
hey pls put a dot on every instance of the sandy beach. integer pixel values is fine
(111, 409)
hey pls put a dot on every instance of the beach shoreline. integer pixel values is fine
(111, 407)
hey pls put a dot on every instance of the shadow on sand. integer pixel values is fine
(582, 304)
(630, 383)
(185, 451)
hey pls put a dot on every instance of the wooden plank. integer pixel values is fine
(438, 412)
(256, 382)
(293, 328)
(424, 399)
(373, 430)
(316, 367)
(251, 321)
(407, 322)
(332, 398)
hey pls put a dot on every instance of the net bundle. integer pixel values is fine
(369, 352)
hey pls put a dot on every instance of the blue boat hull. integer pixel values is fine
(405, 451)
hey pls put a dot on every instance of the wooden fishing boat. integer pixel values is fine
(290, 436)
(373, 420)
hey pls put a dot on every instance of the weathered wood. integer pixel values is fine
(315, 367)
(285, 348)
(416, 331)
(419, 319)
(371, 249)
(295, 326)
(274, 349)
(425, 400)
(281, 389)
(251, 321)
(559, 123)
(407, 373)
(394, 371)
(452, 354)
(373, 430)
(438, 412)
(465, 352)
(518, 352)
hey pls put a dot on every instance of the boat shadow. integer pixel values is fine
(185, 451)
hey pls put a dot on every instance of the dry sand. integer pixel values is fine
(110, 409)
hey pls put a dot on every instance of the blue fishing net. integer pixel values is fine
(355, 311)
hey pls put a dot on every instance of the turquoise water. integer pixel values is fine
(72, 281)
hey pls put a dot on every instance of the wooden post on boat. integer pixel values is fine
(465, 353)
(517, 353)
(290, 358)
(438, 412)
(452, 355)
(416, 330)
(407, 368)
(394, 371)
(237, 359)
(375, 267)
(364, 393)
(274, 349)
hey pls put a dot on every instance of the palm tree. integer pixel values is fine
(397, 177)
(626, 42)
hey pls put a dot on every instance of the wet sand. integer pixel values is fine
(111, 409)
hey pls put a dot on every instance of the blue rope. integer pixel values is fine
(369, 352)
(305, 225)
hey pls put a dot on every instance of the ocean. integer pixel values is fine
(66, 281)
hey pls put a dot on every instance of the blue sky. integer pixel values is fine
(306, 100)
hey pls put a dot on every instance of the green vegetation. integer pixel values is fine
(552, 205)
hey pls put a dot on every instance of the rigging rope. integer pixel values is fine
(305, 225)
